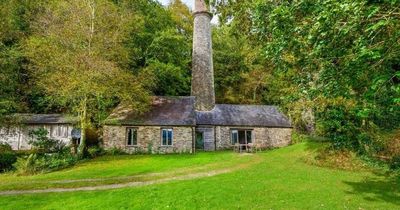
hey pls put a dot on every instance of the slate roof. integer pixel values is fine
(180, 111)
(243, 115)
(45, 119)
(164, 111)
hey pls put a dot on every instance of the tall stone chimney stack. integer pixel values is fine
(202, 63)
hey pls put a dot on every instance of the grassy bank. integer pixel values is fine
(278, 179)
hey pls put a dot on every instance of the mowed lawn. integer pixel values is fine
(277, 179)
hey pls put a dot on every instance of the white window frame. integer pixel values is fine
(236, 131)
(127, 136)
(56, 131)
(172, 137)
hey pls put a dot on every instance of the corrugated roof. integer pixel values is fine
(164, 111)
(243, 115)
(45, 119)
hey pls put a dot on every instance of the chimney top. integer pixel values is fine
(200, 6)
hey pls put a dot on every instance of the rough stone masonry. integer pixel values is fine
(202, 67)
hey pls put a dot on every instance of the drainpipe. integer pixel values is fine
(215, 138)
(193, 141)
(19, 139)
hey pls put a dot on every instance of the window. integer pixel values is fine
(249, 137)
(166, 137)
(235, 136)
(131, 136)
(241, 136)
(60, 131)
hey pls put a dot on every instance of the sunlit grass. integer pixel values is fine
(281, 180)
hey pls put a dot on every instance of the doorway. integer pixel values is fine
(199, 140)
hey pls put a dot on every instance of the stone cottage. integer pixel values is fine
(168, 127)
(184, 124)
(59, 127)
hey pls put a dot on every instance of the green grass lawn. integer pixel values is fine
(278, 179)
(120, 169)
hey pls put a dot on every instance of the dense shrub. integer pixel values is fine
(39, 163)
(95, 151)
(7, 157)
(395, 163)
(116, 151)
(43, 144)
(4, 147)
(47, 155)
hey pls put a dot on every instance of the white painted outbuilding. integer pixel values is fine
(59, 127)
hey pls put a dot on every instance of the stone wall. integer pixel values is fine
(202, 63)
(262, 136)
(148, 139)
(273, 137)
(18, 137)
(223, 137)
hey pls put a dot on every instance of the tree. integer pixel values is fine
(149, 18)
(330, 65)
(10, 59)
(182, 17)
(16, 91)
(170, 80)
(77, 56)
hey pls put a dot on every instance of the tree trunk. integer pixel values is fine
(83, 122)
(91, 5)
(83, 117)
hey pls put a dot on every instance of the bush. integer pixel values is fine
(39, 163)
(7, 157)
(4, 147)
(95, 151)
(116, 151)
(395, 163)
(47, 155)
(44, 144)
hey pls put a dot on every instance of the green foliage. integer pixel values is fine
(182, 17)
(169, 47)
(168, 58)
(42, 163)
(40, 44)
(151, 18)
(229, 64)
(10, 80)
(84, 40)
(170, 79)
(47, 155)
(4, 147)
(395, 163)
(7, 157)
(334, 60)
(116, 151)
(95, 151)
(299, 138)
(41, 143)
(332, 66)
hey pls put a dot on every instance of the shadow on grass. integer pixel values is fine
(315, 145)
(382, 187)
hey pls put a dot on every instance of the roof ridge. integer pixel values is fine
(248, 105)
(173, 96)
